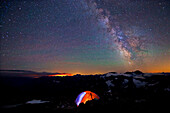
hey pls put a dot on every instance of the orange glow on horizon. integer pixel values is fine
(61, 75)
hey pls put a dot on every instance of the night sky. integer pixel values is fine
(85, 36)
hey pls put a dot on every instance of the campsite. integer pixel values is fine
(120, 93)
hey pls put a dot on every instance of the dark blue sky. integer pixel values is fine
(85, 36)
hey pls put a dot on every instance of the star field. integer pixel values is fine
(85, 36)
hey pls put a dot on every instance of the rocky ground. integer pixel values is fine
(117, 92)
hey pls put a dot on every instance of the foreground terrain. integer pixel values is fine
(117, 92)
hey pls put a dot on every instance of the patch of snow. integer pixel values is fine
(125, 81)
(111, 74)
(140, 77)
(150, 85)
(36, 102)
(62, 106)
(139, 83)
(109, 83)
(127, 75)
(109, 91)
(102, 77)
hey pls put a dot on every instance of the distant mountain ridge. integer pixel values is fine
(25, 73)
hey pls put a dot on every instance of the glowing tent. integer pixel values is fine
(85, 96)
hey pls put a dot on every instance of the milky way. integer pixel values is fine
(129, 45)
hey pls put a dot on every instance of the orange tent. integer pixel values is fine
(85, 96)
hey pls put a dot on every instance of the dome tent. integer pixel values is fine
(85, 96)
